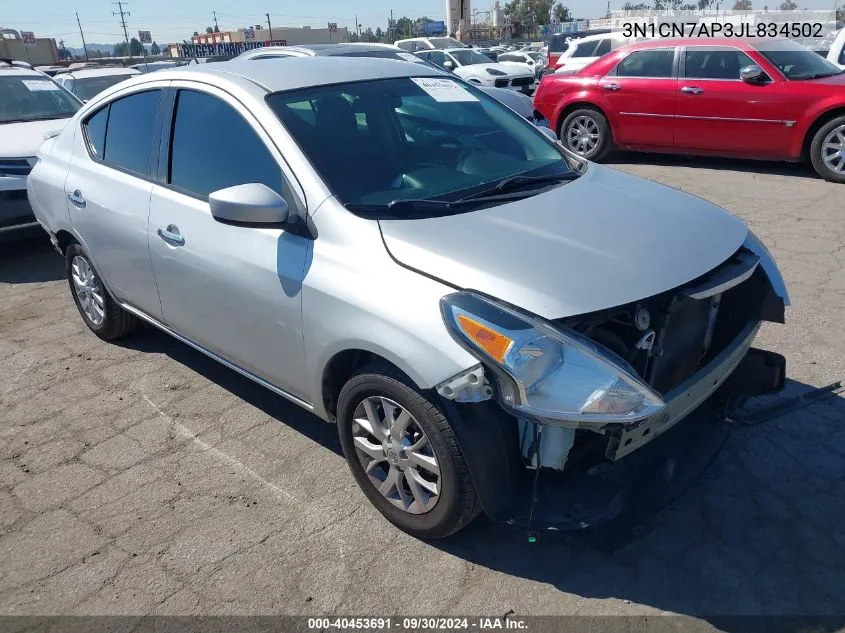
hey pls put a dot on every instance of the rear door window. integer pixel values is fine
(129, 133)
(585, 49)
(657, 64)
(715, 63)
(603, 48)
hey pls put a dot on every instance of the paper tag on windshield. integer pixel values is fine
(36, 85)
(443, 90)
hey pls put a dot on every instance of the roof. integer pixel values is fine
(99, 72)
(5, 71)
(303, 72)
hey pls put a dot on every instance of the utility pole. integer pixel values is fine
(122, 13)
(390, 28)
(269, 26)
(84, 48)
(357, 30)
(214, 15)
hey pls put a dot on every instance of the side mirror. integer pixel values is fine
(252, 203)
(752, 74)
(549, 133)
(449, 64)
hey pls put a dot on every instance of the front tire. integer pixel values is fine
(587, 133)
(100, 312)
(404, 454)
(827, 151)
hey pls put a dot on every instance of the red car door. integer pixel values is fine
(720, 113)
(639, 95)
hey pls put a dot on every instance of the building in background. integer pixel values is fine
(458, 16)
(235, 42)
(42, 51)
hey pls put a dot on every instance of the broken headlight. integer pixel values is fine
(547, 373)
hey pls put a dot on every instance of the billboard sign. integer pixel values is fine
(28, 38)
(332, 27)
(226, 49)
(145, 37)
(433, 28)
(249, 34)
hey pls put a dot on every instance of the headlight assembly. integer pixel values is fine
(495, 72)
(546, 373)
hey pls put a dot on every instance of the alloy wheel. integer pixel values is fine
(583, 135)
(396, 455)
(89, 290)
(833, 150)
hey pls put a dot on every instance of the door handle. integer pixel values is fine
(77, 199)
(692, 90)
(171, 235)
(611, 87)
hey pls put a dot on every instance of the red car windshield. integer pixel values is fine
(796, 62)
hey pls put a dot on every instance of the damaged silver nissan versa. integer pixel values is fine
(493, 325)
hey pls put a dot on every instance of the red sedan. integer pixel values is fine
(767, 99)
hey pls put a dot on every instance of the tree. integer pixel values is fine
(379, 34)
(155, 50)
(196, 33)
(788, 5)
(120, 50)
(208, 29)
(135, 47)
(404, 27)
(743, 5)
(640, 6)
(562, 13)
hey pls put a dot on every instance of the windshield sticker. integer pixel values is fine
(443, 90)
(36, 85)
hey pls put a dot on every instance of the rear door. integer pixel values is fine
(108, 193)
(640, 96)
(719, 112)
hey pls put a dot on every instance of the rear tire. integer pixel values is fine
(827, 151)
(587, 133)
(380, 392)
(103, 316)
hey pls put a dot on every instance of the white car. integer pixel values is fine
(472, 66)
(414, 44)
(86, 83)
(534, 60)
(584, 51)
(837, 50)
(32, 106)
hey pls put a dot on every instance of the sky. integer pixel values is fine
(172, 21)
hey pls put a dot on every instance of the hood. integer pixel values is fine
(601, 241)
(19, 140)
(514, 68)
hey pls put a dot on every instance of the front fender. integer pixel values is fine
(767, 263)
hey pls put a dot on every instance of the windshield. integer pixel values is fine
(537, 57)
(376, 142)
(34, 98)
(445, 42)
(468, 57)
(795, 61)
(88, 87)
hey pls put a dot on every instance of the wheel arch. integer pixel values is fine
(820, 121)
(580, 105)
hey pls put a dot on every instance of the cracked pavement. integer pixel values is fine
(142, 478)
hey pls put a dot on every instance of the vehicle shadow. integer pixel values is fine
(150, 339)
(760, 533)
(30, 259)
(773, 168)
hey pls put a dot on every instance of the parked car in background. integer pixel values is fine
(88, 82)
(476, 68)
(517, 101)
(764, 99)
(414, 44)
(407, 286)
(149, 67)
(560, 43)
(535, 61)
(836, 54)
(50, 71)
(31, 106)
(584, 51)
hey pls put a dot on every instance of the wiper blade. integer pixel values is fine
(512, 183)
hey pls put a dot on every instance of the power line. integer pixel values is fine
(123, 13)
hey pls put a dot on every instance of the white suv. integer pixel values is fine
(584, 51)
(31, 106)
(414, 44)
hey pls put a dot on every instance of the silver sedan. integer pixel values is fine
(399, 253)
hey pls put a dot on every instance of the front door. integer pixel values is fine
(108, 191)
(234, 290)
(640, 97)
(719, 112)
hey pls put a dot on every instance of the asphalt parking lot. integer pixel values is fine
(142, 478)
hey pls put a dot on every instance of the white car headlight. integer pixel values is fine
(495, 72)
(547, 373)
